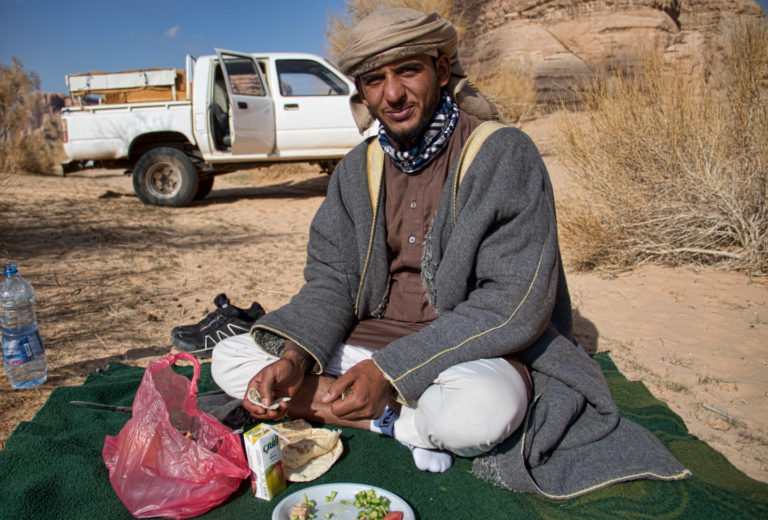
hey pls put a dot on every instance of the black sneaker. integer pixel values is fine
(227, 320)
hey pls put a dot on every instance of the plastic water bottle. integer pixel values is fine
(23, 353)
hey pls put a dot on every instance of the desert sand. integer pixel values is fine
(114, 276)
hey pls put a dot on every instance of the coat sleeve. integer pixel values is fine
(496, 269)
(319, 316)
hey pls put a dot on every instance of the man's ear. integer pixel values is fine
(443, 69)
(359, 87)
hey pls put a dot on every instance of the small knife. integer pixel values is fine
(126, 409)
(99, 406)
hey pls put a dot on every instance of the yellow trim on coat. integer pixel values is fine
(468, 153)
(636, 476)
(375, 167)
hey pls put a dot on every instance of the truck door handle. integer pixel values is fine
(242, 104)
(291, 106)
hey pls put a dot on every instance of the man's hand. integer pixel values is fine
(279, 379)
(361, 393)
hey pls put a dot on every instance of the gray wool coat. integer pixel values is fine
(492, 270)
(491, 267)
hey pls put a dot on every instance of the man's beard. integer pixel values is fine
(410, 138)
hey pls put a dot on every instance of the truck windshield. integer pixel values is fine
(308, 78)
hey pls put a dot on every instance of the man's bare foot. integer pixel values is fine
(307, 404)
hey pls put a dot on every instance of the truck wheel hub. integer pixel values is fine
(164, 180)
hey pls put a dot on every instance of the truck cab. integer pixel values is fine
(281, 105)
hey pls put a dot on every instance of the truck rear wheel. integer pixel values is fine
(165, 177)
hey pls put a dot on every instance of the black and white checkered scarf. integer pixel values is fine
(432, 142)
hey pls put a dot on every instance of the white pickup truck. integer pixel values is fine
(177, 129)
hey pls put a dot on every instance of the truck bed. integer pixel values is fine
(132, 86)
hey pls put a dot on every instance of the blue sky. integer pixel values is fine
(54, 38)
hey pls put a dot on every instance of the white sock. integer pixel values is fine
(431, 460)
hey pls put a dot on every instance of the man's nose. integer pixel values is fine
(394, 91)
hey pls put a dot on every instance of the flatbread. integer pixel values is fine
(315, 467)
(320, 442)
(254, 396)
(293, 431)
(308, 452)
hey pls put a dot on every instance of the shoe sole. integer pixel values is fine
(190, 348)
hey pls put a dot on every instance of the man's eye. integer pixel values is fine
(410, 70)
(372, 80)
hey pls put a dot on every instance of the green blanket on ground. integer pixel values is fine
(52, 467)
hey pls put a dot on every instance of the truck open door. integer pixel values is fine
(252, 117)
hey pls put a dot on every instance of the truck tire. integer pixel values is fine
(204, 187)
(165, 177)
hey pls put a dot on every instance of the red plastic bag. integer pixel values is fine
(170, 459)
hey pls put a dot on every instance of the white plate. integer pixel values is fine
(339, 511)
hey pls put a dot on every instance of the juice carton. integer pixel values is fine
(262, 447)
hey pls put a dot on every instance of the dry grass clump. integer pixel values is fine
(39, 150)
(340, 25)
(510, 87)
(22, 147)
(670, 171)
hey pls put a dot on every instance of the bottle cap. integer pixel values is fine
(10, 269)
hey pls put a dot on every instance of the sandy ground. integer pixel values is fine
(113, 276)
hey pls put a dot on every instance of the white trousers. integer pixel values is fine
(470, 408)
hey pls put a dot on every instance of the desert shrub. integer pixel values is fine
(669, 170)
(15, 110)
(41, 147)
(510, 87)
(340, 25)
(22, 146)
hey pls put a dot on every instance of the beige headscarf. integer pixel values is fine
(392, 34)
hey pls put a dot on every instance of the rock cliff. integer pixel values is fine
(567, 41)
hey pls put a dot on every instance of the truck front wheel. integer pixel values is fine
(165, 177)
